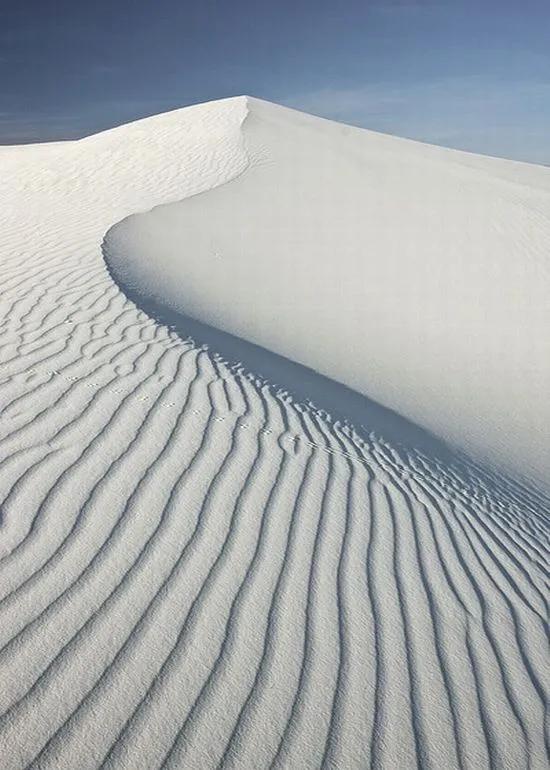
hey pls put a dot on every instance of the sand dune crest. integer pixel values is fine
(199, 568)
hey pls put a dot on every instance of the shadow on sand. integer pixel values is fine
(300, 383)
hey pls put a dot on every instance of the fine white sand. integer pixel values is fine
(202, 567)
(414, 274)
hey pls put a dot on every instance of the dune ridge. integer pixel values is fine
(200, 569)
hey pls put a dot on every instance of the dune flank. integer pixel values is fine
(212, 556)
(414, 274)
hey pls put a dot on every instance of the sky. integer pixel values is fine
(465, 74)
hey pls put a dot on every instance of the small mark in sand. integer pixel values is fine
(123, 369)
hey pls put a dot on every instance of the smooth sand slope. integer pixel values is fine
(199, 567)
(431, 264)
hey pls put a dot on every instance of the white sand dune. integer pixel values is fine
(199, 568)
(431, 264)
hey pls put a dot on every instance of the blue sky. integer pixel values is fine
(474, 75)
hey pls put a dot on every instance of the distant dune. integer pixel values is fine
(273, 449)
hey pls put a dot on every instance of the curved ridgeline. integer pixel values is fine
(199, 567)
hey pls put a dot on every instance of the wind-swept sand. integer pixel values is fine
(431, 264)
(200, 567)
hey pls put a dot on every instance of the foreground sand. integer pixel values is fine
(200, 568)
